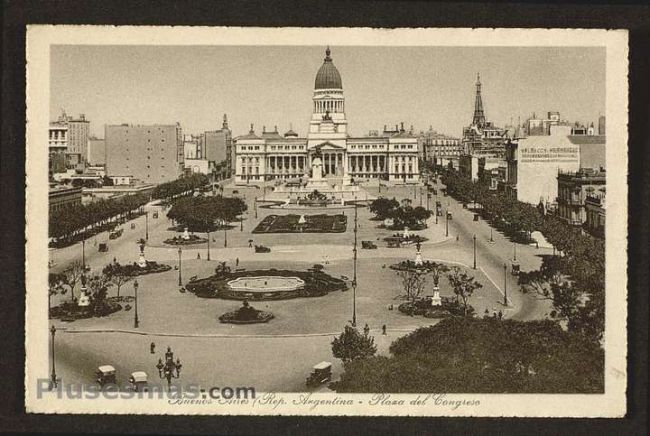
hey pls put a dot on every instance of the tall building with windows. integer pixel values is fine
(150, 154)
(270, 155)
(78, 131)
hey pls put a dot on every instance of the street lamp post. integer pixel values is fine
(225, 236)
(420, 195)
(505, 284)
(256, 203)
(208, 245)
(169, 369)
(241, 223)
(146, 226)
(180, 265)
(53, 381)
(474, 238)
(514, 246)
(83, 254)
(491, 240)
(446, 223)
(354, 277)
(136, 321)
(428, 199)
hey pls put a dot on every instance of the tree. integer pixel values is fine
(72, 276)
(98, 287)
(118, 275)
(481, 356)
(383, 207)
(413, 282)
(463, 285)
(55, 287)
(352, 345)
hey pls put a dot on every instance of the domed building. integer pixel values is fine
(391, 155)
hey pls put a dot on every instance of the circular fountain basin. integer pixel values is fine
(266, 284)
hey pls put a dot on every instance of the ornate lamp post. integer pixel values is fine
(54, 382)
(255, 203)
(225, 236)
(136, 321)
(474, 238)
(169, 369)
(146, 226)
(180, 265)
(491, 240)
(505, 285)
(514, 247)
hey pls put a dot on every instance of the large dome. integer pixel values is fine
(328, 76)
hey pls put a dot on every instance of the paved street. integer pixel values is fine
(277, 355)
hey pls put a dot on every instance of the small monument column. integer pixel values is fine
(436, 300)
(142, 262)
(84, 298)
(418, 254)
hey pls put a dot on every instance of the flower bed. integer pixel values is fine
(316, 284)
(313, 224)
(178, 240)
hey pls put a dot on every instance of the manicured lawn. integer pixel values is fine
(313, 224)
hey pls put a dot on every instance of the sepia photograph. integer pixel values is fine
(326, 221)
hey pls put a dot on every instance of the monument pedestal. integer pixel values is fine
(418, 258)
(84, 299)
(186, 235)
(436, 300)
(142, 262)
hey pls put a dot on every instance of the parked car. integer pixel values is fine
(155, 215)
(115, 234)
(103, 247)
(106, 375)
(321, 373)
(368, 245)
(138, 381)
(262, 249)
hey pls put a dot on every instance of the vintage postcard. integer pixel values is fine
(335, 221)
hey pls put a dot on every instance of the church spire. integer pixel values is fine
(479, 115)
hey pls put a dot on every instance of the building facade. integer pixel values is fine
(439, 149)
(150, 154)
(78, 131)
(64, 197)
(574, 188)
(57, 147)
(482, 138)
(271, 155)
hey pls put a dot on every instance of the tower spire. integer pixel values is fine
(224, 125)
(479, 115)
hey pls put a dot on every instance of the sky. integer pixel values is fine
(273, 85)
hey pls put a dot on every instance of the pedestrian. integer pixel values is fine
(366, 330)
(152, 348)
(500, 315)
(494, 314)
(237, 262)
(250, 244)
(383, 329)
(457, 237)
(198, 255)
(486, 314)
(536, 244)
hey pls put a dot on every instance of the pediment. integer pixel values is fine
(329, 146)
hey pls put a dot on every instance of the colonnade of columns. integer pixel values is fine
(367, 164)
(323, 106)
(333, 163)
(279, 164)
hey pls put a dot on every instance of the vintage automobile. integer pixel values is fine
(368, 245)
(155, 215)
(321, 373)
(262, 249)
(138, 381)
(103, 247)
(105, 375)
(514, 268)
(132, 225)
(115, 234)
